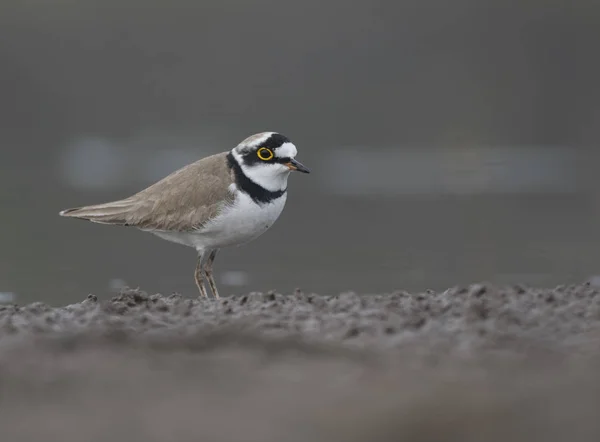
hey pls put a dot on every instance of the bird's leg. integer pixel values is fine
(199, 277)
(209, 273)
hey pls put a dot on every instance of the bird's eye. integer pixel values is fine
(265, 154)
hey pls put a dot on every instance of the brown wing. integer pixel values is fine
(182, 201)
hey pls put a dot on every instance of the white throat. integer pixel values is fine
(272, 176)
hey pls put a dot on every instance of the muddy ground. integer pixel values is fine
(479, 363)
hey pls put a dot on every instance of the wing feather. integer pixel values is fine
(183, 201)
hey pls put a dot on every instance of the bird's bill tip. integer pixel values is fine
(297, 166)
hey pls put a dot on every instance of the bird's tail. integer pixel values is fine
(115, 212)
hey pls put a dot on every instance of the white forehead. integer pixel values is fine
(286, 150)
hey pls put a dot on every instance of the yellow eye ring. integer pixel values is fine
(265, 154)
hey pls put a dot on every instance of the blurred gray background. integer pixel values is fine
(450, 142)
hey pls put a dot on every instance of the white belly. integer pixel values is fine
(243, 221)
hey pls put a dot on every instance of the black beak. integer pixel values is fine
(297, 165)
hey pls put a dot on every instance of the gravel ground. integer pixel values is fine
(479, 363)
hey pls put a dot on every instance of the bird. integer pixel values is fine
(225, 199)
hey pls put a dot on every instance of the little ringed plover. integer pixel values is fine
(222, 200)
